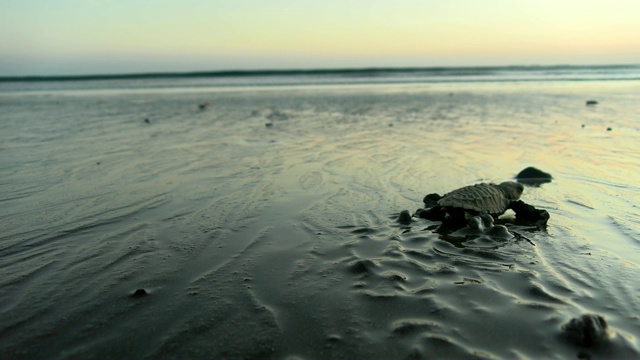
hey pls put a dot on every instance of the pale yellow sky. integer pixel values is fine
(106, 36)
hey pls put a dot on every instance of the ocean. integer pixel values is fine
(254, 214)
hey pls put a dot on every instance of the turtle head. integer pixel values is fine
(512, 190)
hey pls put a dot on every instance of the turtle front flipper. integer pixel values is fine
(528, 214)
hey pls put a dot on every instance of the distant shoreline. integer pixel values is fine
(354, 72)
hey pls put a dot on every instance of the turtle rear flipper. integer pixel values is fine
(435, 213)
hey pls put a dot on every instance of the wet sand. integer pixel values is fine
(264, 225)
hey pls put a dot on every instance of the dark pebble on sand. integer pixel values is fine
(139, 293)
(592, 102)
(609, 129)
(533, 176)
(334, 339)
(268, 125)
(587, 330)
(204, 106)
(404, 217)
(147, 121)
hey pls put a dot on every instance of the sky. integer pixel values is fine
(74, 37)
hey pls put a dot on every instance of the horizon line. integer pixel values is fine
(295, 71)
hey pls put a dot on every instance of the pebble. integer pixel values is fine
(533, 176)
(139, 293)
(404, 217)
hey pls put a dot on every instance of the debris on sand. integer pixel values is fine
(139, 293)
(533, 176)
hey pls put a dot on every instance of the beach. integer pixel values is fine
(260, 221)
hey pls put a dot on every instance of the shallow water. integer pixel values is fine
(280, 241)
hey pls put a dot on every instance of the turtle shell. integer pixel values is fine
(483, 198)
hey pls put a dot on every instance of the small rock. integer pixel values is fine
(147, 121)
(334, 339)
(139, 293)
(533, 176)
(609, 129)
(204, 106)
(591, 102)
(404, 217)
(268, 124)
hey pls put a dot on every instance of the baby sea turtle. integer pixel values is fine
(483, 198)
(455, 208)
(587, 330)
